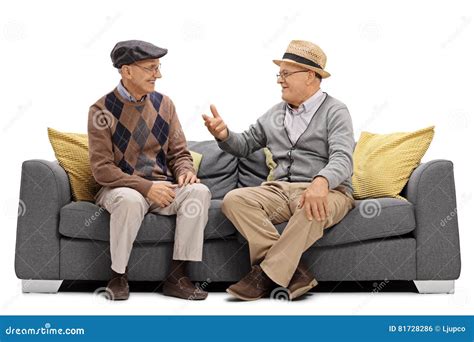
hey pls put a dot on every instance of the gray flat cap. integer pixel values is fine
(131, 51)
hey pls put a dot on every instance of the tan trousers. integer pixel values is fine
(254, 211)
(127, 208)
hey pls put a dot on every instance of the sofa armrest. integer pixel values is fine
(431, 190)
(44, 190)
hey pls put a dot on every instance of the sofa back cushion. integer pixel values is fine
(218, 169)
(252, 170)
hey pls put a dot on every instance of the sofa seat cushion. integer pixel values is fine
(84, 220)
(370, 219)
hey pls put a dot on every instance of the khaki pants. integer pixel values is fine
(254, 211)
(127, 208)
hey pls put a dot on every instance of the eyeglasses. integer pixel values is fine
(150, 70)
(285, 74)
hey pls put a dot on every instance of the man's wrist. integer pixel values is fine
(321, 180)
(185, 172)
(224, 139)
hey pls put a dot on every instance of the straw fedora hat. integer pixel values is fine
(306, 55)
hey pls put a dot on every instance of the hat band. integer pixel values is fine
(301, 60)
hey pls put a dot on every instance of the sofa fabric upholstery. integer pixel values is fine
(384, 238)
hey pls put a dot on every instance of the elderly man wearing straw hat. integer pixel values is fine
(311, 138)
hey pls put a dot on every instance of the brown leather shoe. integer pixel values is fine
(302, 281)
(255, 285)
(117, 288)
(184, 289)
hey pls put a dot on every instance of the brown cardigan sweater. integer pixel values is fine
(132, 144)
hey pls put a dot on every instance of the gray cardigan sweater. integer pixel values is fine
(324, 149)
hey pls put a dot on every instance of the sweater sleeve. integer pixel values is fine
(341, 146)
(243, 144)
(101, 155)
(178, 157)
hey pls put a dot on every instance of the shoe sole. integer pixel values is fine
(173, 293)
(120, 298)
(114, 298)
(248, 299)
(302, 290)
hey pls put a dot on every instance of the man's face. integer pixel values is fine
(143, 75)
(293, 82)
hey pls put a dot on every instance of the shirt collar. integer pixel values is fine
(125, 94)
(309, 103)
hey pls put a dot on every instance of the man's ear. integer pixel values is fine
(125, 72)
(310, 77)
(313, 77)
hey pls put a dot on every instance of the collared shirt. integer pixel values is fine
(126, 95)
(298, 119)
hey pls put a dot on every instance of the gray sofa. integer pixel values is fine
(382, 239)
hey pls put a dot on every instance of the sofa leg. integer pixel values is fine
(435, 286)
(40, 286)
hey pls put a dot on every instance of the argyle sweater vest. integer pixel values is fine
(131, 144)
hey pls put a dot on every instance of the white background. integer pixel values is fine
(398, 66)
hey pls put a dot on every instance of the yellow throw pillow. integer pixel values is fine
(270, 164)
(72, 153)
(383, 163)
(197, 157)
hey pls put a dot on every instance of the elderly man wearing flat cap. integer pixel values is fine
(310, 136)
(138, 153)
